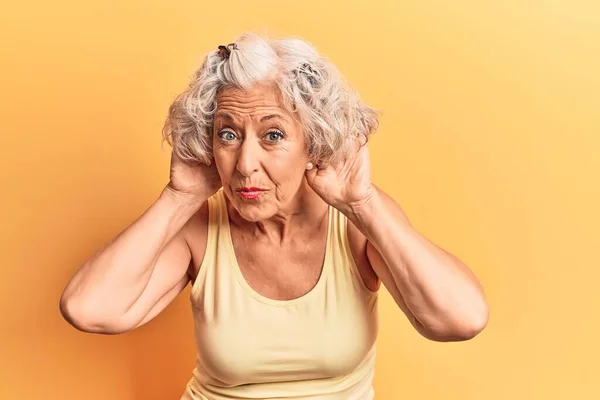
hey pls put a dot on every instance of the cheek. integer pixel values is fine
(287, 170)
(223, 164)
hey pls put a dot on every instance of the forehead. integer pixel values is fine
(258, 101)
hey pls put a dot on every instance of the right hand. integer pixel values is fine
(193, 179)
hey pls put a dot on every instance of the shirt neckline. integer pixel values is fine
(325, 267)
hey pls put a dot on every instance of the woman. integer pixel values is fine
(271, 214)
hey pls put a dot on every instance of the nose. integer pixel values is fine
(248, 157)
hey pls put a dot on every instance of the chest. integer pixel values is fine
(326, 329)
(280, 272)
(283, 344)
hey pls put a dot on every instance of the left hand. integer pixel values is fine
(346, 184)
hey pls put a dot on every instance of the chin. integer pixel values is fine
(252, 209)
(253, 212)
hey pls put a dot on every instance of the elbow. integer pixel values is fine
(470, 321)
(470, 329)
(480, 322)
(472, 325)
(78, 316)
(88, 319)
(477, 320)
(465, 328)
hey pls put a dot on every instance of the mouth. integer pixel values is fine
(249, 193)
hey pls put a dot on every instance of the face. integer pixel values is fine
(259, 150)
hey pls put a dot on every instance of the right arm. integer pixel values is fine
(137, 274)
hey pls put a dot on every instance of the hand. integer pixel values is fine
(346, 185)
(193, 179)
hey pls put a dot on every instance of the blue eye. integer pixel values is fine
(275, 136)
(226, 135)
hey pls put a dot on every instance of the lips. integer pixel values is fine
(249, 193)
(250, 189)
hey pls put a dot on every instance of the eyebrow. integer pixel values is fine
(272, 116)
(229, 117)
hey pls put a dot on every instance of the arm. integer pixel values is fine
(137, 274)
(438, 293)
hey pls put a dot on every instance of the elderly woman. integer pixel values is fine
(271, 215)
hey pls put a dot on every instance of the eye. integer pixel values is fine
(275, 136)
(227, 136)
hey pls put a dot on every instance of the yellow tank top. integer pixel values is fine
(318, 346)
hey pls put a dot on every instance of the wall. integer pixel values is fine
(489, 141)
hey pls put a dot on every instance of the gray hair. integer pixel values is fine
(328, 108)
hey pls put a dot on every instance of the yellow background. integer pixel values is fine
(489, 141)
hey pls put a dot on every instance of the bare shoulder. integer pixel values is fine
(358, 247)
(195, 232)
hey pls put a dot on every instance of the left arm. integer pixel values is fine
(439, 294)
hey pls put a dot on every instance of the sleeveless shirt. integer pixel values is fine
(317, 346)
